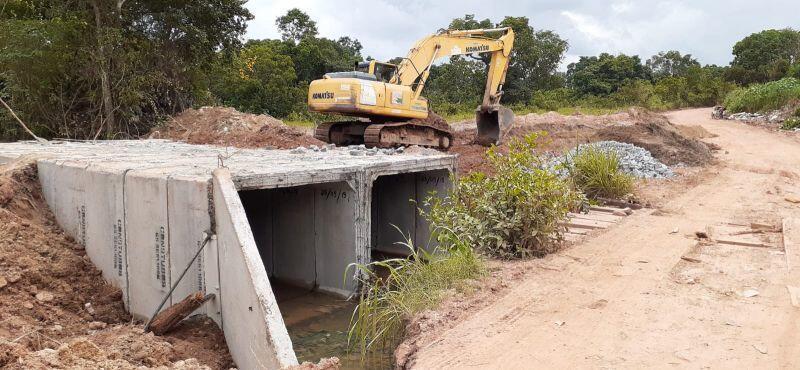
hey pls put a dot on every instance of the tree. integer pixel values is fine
(91, 68)
(296, 25)
(458, 83)
(534, 59)
(272, 76)
(670, 64)
(258, 80)
(765, 56)
(604, 74)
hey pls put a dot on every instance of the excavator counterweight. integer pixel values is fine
(385, 98)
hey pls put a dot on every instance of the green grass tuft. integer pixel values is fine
(395, 290)
(763, 97)
(791, 123)
(596, 172)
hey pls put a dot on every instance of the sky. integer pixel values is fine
(707, 29)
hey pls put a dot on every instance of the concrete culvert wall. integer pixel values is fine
(394, 210)
(306, 235)
(143, 208)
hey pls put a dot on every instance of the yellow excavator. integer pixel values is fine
(385, 98)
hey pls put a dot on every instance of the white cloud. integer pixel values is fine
(387, 28)
(589, 27)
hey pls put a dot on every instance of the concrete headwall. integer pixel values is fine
(253, 326)
(143, 208)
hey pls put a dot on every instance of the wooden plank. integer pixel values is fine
(604, 209)
(791, 247)
(742, 243)
(794, 295)
(586, 224)
(597, 216)
(577, 231)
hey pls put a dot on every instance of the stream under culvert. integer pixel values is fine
(318, 324)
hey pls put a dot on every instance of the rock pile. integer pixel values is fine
(633, 160)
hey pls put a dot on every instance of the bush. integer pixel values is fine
(410, 286)
(763, 97)
(512, 214)
(597, 173)
(552, 100)
(794, 71)
(791, 123)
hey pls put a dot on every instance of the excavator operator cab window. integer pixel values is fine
(382, 71)
(362, 67)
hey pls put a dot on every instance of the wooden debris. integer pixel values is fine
(167, 319)
(690, 259)
(794, 295)
(619, 203)
(742, 243)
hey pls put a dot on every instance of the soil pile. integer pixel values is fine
(55, 309)
(654, 132)
(229, 127)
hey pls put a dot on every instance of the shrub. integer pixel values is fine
(763, 97)
(597, 173)
(791, 123)
(512, 214)
(408, 286)
(552, 100)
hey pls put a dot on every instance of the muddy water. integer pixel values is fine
(318, 325)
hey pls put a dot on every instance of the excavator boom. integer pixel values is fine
(390, 95)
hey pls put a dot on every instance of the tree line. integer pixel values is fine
(86, 69)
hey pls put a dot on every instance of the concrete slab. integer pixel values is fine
(148, 237)
(335, 236)
(253, 326)
(430, 183)
(189, 220)
(105, 226)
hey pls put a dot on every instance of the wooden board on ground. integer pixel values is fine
(791, 246)
(598, 216)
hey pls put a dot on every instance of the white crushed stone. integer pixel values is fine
(633, 160)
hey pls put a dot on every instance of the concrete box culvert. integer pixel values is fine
(140, 209)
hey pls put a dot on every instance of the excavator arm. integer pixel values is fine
(387, 98)
(492, 119)
(415, 68)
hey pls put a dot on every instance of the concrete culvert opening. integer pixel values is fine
(395, 215)
(306, 239)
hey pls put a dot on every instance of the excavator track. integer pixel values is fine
(341, 133)
(389, 135)
(432, 132)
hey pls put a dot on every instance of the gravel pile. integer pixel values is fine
(633, 160)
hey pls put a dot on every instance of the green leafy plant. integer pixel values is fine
(763, 97)
(396, 289)
(597, 173)
(791, 123)
(513, 214)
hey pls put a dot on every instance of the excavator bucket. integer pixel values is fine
(493, 123)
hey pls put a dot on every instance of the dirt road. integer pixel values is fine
(626, 299)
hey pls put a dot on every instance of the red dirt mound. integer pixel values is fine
(654, 132)
(229, 127)
(55, 309)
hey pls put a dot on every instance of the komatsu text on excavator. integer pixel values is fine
(385, 98)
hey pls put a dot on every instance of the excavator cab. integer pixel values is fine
(383, 72)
